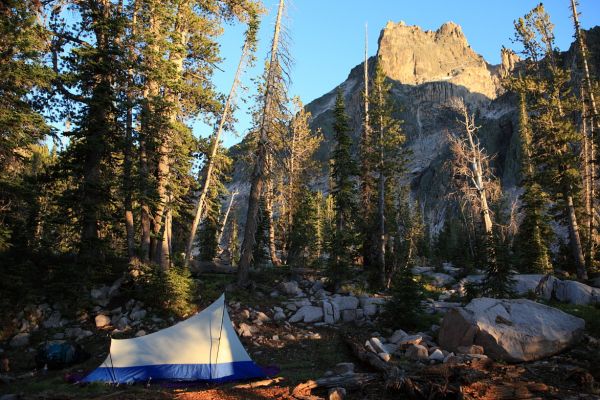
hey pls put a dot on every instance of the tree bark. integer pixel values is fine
(269, 211)
(258, 174)
(225, 217)
(575, 240)
(213, 154)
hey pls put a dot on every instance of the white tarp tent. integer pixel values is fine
(204, 347)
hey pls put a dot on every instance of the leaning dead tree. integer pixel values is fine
(260, 164)
(249, 47)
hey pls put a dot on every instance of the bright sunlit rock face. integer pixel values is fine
(412, 56)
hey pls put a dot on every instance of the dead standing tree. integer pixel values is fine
(471, 165)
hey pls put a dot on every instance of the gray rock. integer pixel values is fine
(511, 330)
(397, 336)
(101, 321)
(83, 334)
(345, 302)
(138, 315)
(116, 311)
(290, 288)
(371, 305)
(390, 348)
(279, 316)
(123, 323)
(308, 314)
(421, 270)
(440, 279)
(348, 315)
(54, 321)
(437, 355)
(113, 290)
(100, 295)
(58, 336)
(574, 292)
(451, 269)
(407, 341)
(417, 352)
(20, 340)
(528, 283)
(345, 368)
(140, 333)
(377, 345)
(331, 312)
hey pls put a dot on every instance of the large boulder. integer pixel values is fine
(511, 330)
(439, 279)
(576, 293)
(539, 284)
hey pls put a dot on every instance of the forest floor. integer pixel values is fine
(310, 354)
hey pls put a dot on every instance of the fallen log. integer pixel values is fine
(263, 383)
(395, 378)
(353, 381)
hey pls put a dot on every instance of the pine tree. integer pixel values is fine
(387, 141)
(304, 235)
(554, 137)
(343, 193)
(22, 74)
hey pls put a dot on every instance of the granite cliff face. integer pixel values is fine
(428, 69)
(412, 56)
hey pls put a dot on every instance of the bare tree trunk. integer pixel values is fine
(258, 174)
(366, 177)
(225, 217)
(575, 240)
(589, 161)
(268, 195)
(163, 172)
(213, 154)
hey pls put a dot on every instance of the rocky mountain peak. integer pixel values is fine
(412, 56)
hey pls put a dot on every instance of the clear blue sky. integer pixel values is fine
(327, 37)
